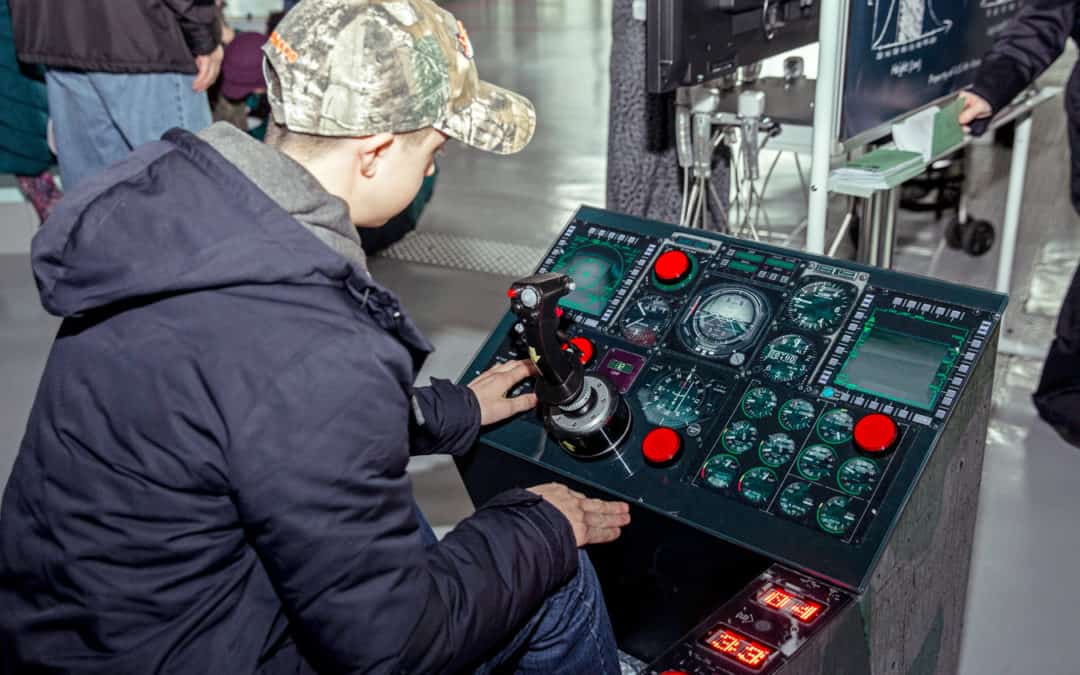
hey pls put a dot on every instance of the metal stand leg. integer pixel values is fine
(877, 235)
(1010, 226)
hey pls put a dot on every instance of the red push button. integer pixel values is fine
(876, 433)
(672, 267)
(661, 445)
(584, 347)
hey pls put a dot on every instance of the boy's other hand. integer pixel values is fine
(975, 108)
(492, 385)
(209, 66)
(594, 521)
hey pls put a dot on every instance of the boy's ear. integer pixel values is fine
(369, 149)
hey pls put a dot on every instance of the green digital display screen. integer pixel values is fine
(898, 366)
(597, 266)
(620, 366)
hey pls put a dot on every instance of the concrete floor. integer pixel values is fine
(1027, 548)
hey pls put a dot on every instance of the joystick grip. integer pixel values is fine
(535, 301)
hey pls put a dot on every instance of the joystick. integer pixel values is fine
(583, 412)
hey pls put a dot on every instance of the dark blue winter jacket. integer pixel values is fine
(213, 477)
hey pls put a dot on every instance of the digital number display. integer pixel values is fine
(780, 600)
(740, 649)
(620, 367)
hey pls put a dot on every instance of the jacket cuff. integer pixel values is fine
(551, 520)
(446, 419)
(999, 82)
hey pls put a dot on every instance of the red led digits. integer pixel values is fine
(739, 648)
(805, 611)
(753, 655)
(778, 599)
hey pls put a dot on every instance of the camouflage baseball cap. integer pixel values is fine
(362, 67)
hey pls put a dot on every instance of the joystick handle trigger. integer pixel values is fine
(534, 300)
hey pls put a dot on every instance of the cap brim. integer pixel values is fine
(497, 120)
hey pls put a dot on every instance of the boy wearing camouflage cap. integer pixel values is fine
(213, 476)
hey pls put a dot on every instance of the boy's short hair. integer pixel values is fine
(347, 68)
(309, 146)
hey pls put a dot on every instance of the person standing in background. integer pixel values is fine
(120, 73)
(1032, 40)
(24, 123)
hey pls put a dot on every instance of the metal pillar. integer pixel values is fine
(831, 35)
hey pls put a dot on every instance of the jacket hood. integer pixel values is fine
(174, 217)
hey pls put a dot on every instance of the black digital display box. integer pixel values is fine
(783, 402)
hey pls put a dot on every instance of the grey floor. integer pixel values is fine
(1022, 601)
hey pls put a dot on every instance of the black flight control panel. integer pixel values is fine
(781, 402)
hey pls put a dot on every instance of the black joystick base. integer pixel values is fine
(593, 426)
(584, 413)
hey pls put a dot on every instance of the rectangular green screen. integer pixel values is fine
(898, 366)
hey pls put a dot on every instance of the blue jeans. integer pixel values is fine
(570, 634)
(99, 118)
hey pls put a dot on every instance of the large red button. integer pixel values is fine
(876, 433)
(584, 347)
(672, 267)
(661, 445)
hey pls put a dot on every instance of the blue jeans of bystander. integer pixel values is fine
(99, 118)
(570, 633)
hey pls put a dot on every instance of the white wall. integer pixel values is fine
(242, 8)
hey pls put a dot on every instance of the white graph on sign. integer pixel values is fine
(907, 23)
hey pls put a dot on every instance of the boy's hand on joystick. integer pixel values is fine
(492, 385)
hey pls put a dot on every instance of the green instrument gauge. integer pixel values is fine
(677, 396)
(817, 462)
(858, 476)
(836, 426)
(757, 485)
(723, 320)
(759, 402)
(777, 449)
(644, 321)
(820, 306)
(739, 437)
(797, 415)
(835, 515)
(797, 500)
(788, 357)
(721, 471)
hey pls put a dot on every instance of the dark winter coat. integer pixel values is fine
(24, 109)
(116, 36)
(213, 477)
(1031, 41)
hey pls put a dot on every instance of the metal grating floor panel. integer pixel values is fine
(466, 253)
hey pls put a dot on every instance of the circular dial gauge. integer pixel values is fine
(835, 426)
(796, 500)
(835, 517)
(858, 476)
(677, 396)
(759, 402)
(817, 462)
(644, 321)
(721, 471)
(797, 414)
(777, 449)
(788, 357)
(723, 320)
(821, 306)
(739, 437)
(757, 485)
